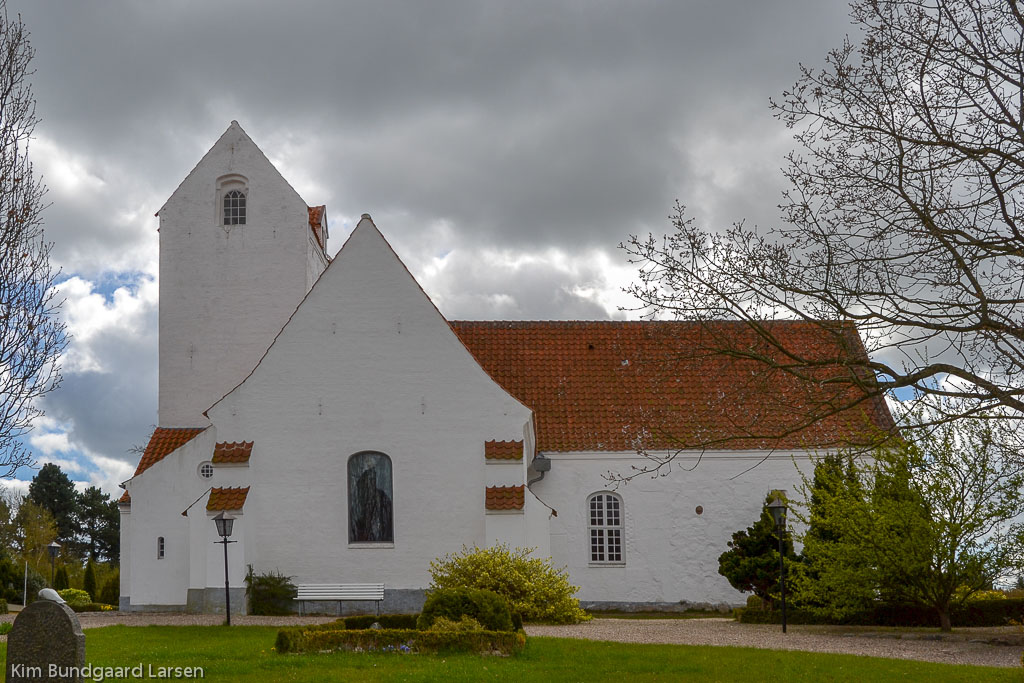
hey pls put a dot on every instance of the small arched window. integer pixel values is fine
(605, 527)
(370, 507)
(160, 547)
(234, 207)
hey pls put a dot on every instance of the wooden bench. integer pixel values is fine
(339, 592)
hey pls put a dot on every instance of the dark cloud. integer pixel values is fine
(523, 140)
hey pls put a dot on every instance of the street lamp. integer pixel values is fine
(54, 548)
(778, 509)
(224, 524)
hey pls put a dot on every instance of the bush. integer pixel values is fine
(110, 594)
(270, 594)
(487, 607)
(61, 580)
(92, 607)
(534, 589)
(36, 583)
(3, 606)
(89, 582)
(6, 627)
(385, 620)
(998, 612)
(466, 623)
(74, 597)
(305, 639)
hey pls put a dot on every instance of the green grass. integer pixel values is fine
(244, 653)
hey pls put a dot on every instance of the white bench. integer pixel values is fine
(339, 592)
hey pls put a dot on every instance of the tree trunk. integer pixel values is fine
(945, 625)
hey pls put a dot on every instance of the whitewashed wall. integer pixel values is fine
(366, 363)
(670, 552)
(225, 291)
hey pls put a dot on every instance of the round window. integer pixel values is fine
(206, 470)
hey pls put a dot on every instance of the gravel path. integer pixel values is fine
(984, 647)
(929, 646)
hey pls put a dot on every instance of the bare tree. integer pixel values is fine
(903, 217)
(31, 336)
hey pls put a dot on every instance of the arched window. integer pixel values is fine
(370, 509)
(605, 527)
(159, 547)
(234, 207)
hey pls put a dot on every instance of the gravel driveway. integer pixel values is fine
(986, 647)
(958, 648)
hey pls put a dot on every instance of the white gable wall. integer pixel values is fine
(225, 291)
(367, 363)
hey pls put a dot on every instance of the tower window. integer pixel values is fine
(160, 547)
(234, 208)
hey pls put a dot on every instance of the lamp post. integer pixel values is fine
(53, 549)
(778, 509)
(224, 523)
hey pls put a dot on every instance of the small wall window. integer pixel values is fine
(370, 508)
(232, 200)
(206, 470)
(234, 208)
(160, 547)
(605, 527)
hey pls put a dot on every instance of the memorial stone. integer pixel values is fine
(46, 643)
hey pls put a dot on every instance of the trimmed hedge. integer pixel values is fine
(92, 607)
(975, 613)
(311, 639)
(407, 621)
(487, 607)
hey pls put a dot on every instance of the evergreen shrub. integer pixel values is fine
(61, 580)
(270, 594)
(110, 594)
(89, 581)
(534, 589)
(487, 607)
(998, 612)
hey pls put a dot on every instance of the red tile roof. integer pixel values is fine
(125, 499)
(164, 441)
(316, 216)
(227, 498)
(503, 450)
(617, 386)
(504, 498)
(232, 452)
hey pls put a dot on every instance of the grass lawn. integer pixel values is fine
(243, 653)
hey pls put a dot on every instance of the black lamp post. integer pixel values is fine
(224, 524)
(778, 509)
(53, 548)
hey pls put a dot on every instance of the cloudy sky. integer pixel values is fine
(505, 149)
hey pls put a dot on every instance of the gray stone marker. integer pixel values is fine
(46, 639)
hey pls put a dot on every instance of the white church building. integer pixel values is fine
(355, 434)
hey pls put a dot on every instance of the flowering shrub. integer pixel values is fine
(535, 590)
(74, 597)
